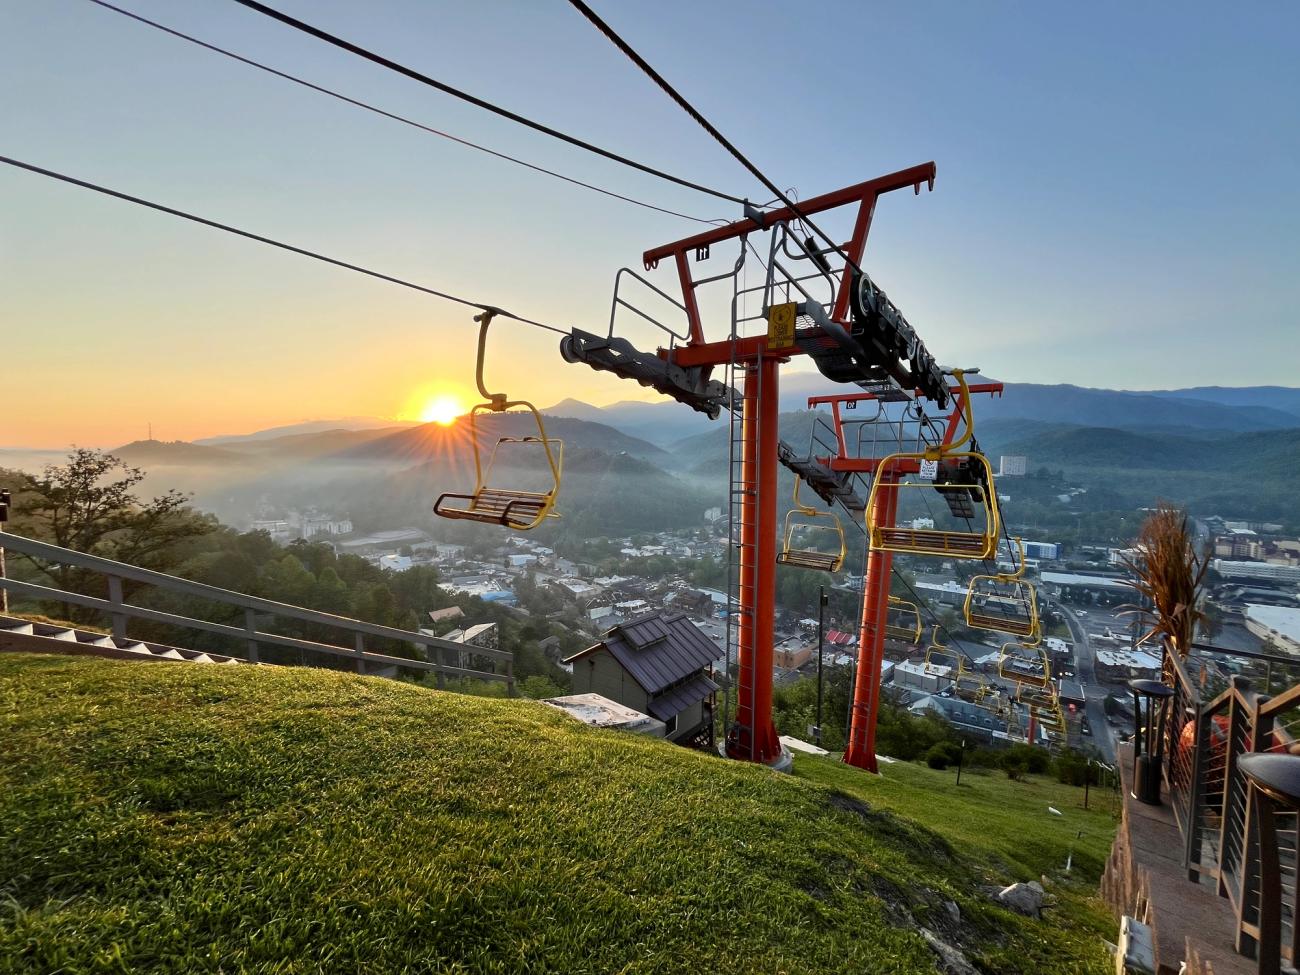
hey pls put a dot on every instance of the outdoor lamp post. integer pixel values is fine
(1149, 697)
(821, 616)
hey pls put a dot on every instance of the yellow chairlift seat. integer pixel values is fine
(1050, 718)
(1038, 697)
(1004, 602)
(978, 541)
(803, 524)
(971, 687)
(963, 478)
(1025, 664)
(489, 502)
(903, 621)
(941, 661)
(1052, 721)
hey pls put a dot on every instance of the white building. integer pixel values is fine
(1011, 466)
(278, 530)
(1281, 624)
(1257, 570)
(929, 679)
(313, 527)
(398, 563)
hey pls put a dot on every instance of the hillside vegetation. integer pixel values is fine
(179, 818)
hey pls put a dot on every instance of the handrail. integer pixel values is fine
(64, 556)
(1213, 801)
(1274, 658)
(120, 610)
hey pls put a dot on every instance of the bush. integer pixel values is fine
(938, 757)
(1030, 759)
(1073, 768)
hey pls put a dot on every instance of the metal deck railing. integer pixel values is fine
(342, 638)
(1216, 717)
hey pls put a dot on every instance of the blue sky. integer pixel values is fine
(1117, 201)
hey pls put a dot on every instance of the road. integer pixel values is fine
(1085, 668)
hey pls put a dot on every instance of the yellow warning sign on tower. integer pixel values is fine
(780, 326)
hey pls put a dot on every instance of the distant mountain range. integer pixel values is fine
(1206, 408)
(1214, 448)
(347, 423)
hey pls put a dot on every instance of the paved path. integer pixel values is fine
(1085, 669)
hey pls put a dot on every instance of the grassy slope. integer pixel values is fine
(182, 818)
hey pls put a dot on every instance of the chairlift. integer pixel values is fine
(805, 528)
(973, 688)
(1025, 664)
(1003, 602)
(490, 503)
(903, 621)
(963, 478)
(939, 657)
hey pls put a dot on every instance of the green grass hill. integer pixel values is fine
(185, 818)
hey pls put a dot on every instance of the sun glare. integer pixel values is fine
(443, 410)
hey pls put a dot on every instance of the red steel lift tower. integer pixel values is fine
(857, 336)
(881, 514)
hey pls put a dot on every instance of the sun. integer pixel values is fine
(442, 409)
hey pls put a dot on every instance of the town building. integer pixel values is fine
(930, 679)
(1012, 465)
(792, 654)
(968, 719)
(1273, 572)
(1118, 666)
(658, 664)
(483, 635)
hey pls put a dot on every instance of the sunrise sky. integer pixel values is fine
(1116, 203)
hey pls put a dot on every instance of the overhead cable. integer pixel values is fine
(708, 126)
(387, 114)
(314, 255)
(476, 101)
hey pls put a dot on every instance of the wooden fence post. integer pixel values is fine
(115, 597)
(250, 627)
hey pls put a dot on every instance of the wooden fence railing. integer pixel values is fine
(431, 652)
(1211, 799)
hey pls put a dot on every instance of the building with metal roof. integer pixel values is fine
(659, 664)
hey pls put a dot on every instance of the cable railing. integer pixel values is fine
(340, 638)
(1215, 718)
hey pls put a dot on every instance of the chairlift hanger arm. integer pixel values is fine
(858, 193)
(864, 194)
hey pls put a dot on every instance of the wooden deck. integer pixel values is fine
(1145, 878)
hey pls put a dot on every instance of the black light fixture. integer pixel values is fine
(1149, 697)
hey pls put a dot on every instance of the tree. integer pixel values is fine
(89, 504)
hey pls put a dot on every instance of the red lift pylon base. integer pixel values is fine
(861, 750)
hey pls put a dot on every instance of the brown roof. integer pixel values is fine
(658, 649)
